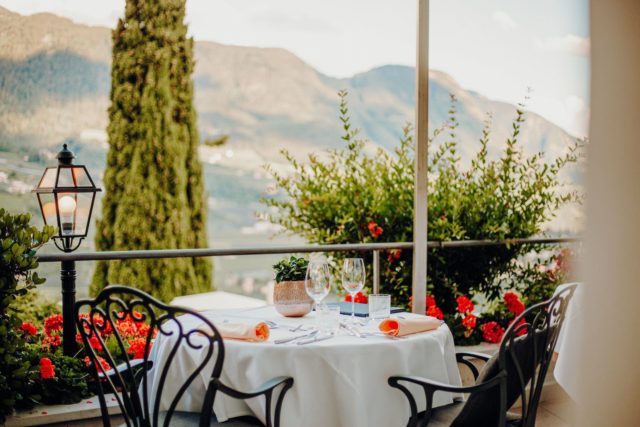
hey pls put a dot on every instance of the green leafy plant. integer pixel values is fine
(34, 307)
(19, 242)
(291, 269)
(349, 195)
(70, 382)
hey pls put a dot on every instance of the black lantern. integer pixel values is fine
(66, 194)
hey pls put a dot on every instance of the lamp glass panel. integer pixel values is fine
(80, 174)
(49, 178)
(48, 204)
(65, 177)
(83, 210)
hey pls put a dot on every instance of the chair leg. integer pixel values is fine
(287, 385)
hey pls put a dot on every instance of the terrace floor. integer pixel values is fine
(556, 409)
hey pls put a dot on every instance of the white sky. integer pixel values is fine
(498, 48)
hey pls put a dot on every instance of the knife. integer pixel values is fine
(314, 339)
(286, 340)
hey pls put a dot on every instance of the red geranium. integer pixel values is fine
(29, 328)
(51, 341)
(47, 369)
(101, 325)
(53, 323)
(431, 301)
(137, 347)
(464, 304)
(469, 321)
(374, 229)
(513, 303)
(394, 255)
(104, 365)
(492, 332)
(434, 311)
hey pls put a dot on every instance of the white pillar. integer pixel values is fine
(609, 377)
(419, 282)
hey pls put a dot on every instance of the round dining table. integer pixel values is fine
(340, 381)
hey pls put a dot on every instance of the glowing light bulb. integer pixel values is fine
(67, 209)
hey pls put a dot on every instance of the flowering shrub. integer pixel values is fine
(54, 378)
(19, 242)
(350, 195)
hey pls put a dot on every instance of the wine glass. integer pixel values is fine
(353, 276)
(317, 283)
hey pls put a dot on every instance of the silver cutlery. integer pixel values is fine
(315, 339)
(351, 330)
(297, 337)
(271, 325)
(296, 328)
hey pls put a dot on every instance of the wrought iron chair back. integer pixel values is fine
(536, 332)
(103, 321)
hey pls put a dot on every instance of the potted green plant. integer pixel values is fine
(289, 295)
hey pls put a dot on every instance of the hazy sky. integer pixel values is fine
(498, 48)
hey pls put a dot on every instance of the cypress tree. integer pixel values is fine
(154, 187)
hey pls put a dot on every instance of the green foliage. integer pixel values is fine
(34, 308)
(291, 270)
(19, 242)
(154, 195)
(70, 385)
(349, 195)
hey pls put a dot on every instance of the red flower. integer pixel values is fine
(374, 229)
(53, 323)
(29, 328)
(126, 327)
(434, 311)
(104, 365)
(513, 303)
(464, 304)
(469, 321)
(394, 255)
(137, 347)
(47, 369)
(101, 324)
(492, 332)
(431, 301)
(359, 298)
(51, 341)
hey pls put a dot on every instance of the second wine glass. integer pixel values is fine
(317, 282)
(353, 277)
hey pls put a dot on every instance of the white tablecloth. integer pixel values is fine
(568, 344)
(338, 382)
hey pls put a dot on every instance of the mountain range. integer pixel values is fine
(55, 79)
(54, 88)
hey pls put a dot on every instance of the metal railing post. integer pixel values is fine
(376, 272)
(68, 279)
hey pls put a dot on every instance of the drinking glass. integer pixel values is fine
(353, 276)
(317, 283)
(328, 318)
(379, 306)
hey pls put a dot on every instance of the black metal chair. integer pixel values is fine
(517, 371)
(128, 380)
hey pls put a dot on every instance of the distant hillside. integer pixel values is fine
(54, 85)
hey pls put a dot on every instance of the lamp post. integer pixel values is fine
(66, 194)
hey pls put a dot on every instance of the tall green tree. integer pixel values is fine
(154, 187)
